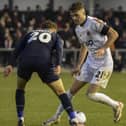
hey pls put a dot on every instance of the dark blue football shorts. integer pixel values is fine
(27, 66)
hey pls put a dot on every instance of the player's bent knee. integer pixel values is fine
(21, 83)
(90, 95)
(58, 87)
(60, 92)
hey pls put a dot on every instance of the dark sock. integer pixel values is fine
(67, 105)
(20, 102)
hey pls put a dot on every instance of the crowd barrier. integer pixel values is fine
(70, 56)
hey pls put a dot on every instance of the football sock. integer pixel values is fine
(69, 94)
(67, 105)
(60, 108)
(20, 102)
(100, 97)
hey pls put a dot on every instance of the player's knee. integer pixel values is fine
(69, 94)
(21, 87)
(90, 95)
(58, 87)
(60, 91)
(72, 92)
(21, 83)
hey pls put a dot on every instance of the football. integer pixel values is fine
(81, 117)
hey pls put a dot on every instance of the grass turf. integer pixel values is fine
(41, 103)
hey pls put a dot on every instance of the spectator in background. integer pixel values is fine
(108, 17)
(2, 38)
(38, 8)
(118, 66)
(123, 38)
(8, 39)
(122, 45)
(98, 11)
(38, 14)
(60, 11)
(10, 24)
(27, 16)
(49, 12)
(17, 33)
(16, 16)
(8, 43)
(122, 41)
(51, 4)
(2, 32)
(117, 25)
(59, 22)
(5, 8)
(120, 8)
(66, 34)
(31, 25)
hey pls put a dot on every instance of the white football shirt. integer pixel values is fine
(90, 36)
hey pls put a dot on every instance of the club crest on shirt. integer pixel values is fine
(88, 33)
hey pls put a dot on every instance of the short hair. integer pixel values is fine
(48, 24)
(76, 6)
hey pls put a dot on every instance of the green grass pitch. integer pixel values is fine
(41, 103)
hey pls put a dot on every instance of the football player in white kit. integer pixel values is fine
(95, 63)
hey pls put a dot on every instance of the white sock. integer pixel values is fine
(21, 118)
(60, 108)
(100, 97)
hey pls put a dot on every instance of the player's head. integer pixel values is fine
(78, 13)
(48, 24)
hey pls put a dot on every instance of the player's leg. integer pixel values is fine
(23, 75)
(76, 86)
(99, 80)
(103, 98)
(20, 100)
(78, 83)
(56, 84)
(58, 88)
(94, 95)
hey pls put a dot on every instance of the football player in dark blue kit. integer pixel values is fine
(34, 54)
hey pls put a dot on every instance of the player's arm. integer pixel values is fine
(18, 49)
(105, 29)
(82, 57)
(59, 54)
(112, 37)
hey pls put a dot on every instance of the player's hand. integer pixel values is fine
(75, 71)
(57, 69)
(7, 70)
(100, 52)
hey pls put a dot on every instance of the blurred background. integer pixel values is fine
(18, 17)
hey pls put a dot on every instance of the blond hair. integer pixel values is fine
(48, 24)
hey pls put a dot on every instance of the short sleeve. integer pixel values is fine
(99, 26)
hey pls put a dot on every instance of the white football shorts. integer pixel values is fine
(99, 76)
